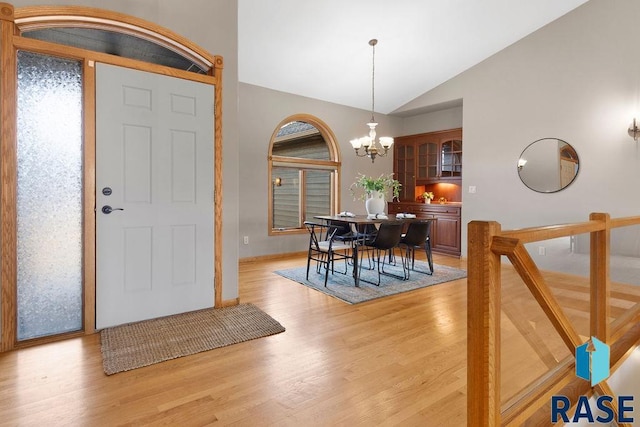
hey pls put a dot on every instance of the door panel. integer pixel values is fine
(137, 163)
(154, 160)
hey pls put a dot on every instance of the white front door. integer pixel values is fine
(154, 195)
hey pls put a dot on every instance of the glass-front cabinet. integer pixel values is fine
(427, 160)
(405, 167)
(438, 155)
(451, 159)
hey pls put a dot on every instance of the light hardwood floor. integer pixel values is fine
(399, 360)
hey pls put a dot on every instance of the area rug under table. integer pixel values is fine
(341, 286)
(139, 344)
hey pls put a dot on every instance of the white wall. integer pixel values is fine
(261, 110)
(574, 80)
(213, 26)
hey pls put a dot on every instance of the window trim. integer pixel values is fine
(333, 164)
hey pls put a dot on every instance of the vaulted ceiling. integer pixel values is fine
(320, 49)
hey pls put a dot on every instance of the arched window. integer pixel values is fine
(304, 173)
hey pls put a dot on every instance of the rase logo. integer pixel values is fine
(592, 361)
(592, 364)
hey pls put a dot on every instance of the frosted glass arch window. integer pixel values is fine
(49, 202)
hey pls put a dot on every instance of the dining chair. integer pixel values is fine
(343, 231)
(325, 248)
(417, 236)
(384, 241)
(346, 234)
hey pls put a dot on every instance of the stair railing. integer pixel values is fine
(487, 243)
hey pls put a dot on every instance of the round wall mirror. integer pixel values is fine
(548, 165)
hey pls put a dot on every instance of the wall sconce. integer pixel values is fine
(277, 182)
(634, 131)
(521, 163)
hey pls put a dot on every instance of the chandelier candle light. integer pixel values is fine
(371, 150)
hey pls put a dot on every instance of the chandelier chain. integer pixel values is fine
(373, 80)
(369, 143)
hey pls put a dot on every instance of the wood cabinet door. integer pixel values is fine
(446, 236)
(404, 168)
(427, 161)
(451, 159)
(446, 229)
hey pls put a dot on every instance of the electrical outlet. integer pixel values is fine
(245, 239)
(542, 250)
(472, 189)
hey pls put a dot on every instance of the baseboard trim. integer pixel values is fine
(271, 256)
(229, 303)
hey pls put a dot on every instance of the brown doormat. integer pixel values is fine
(139, 344)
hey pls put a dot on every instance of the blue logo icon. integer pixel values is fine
(592, 364)
(592, 361)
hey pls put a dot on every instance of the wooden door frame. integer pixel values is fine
(12, 23)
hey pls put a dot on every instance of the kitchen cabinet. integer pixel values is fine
(426, 159)
(450, 156)
(447, 227)
(404, 166)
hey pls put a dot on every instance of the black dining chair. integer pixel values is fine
(325, 248)
(417, 236)
(343, 231)
(384, 241)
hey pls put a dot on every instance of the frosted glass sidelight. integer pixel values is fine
(49, 195)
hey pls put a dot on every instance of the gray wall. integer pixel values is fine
(450, 118)
(261, 110)
(213, 26)
(573, 79)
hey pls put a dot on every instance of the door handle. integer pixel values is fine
(106, 209)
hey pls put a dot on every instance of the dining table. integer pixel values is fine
(359, 224)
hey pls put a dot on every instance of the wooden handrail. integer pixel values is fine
(536, 234)
(625, 222)
(486, 245)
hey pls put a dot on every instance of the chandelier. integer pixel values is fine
(368, 143)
